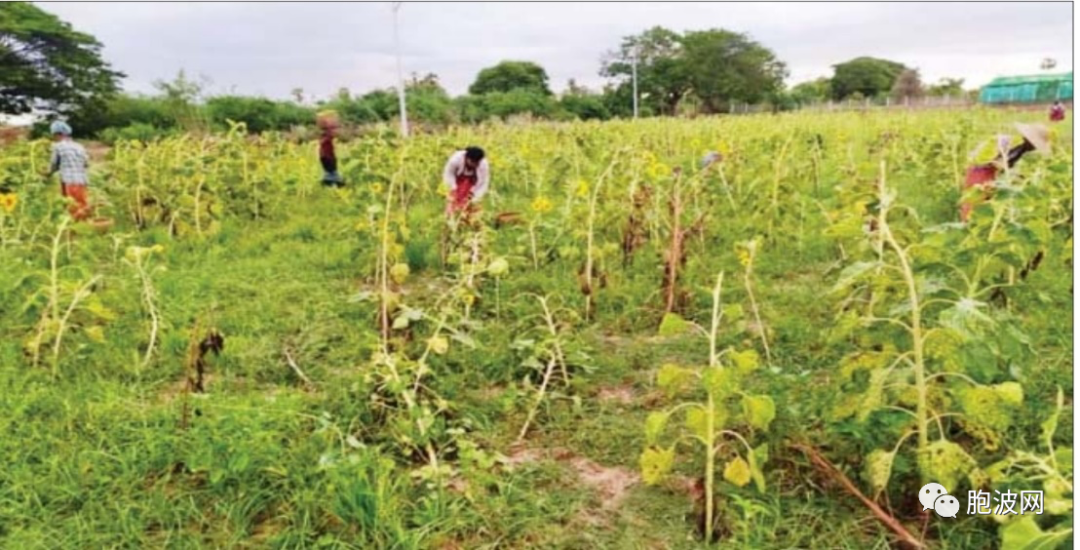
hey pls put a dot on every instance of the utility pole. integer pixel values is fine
(401, 81)
(633, 69)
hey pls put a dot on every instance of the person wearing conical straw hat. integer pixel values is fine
(1034, 137)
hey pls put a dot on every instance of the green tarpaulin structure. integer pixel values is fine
(1041, 88)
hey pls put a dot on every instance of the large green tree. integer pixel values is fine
(428, 100)
(867, 76)
(47, 65)
(662, 77)
(510, 76)
(582, 103)
(812, 91)
(715, 66)
(259, 114)
(726, 67)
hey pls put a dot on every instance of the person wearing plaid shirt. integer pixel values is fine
(70, 160)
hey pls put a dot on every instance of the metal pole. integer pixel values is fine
(401, 80)
(633, 68)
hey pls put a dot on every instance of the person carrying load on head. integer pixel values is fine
(466, 175)
(1034, 137)
(328, 123)
(1057, 111)
(71, 161)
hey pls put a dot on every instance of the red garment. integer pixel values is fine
(461, 195)
(326, 146)
(980, 175)
(81, 209)
(1057, 113)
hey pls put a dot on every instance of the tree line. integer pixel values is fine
(48, 67)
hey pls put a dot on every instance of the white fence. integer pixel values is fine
(926, 102)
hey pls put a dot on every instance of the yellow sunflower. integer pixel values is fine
(541, 205)
(8, 201)
(744, 256)
(582, 190)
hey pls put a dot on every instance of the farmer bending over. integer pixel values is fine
(70, 159)
(1034, 138)
(1057, 111)
(467, 175)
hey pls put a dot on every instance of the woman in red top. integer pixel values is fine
(1057, 112)
(466, 176)
(1035, 138)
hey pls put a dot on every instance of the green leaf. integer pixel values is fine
(863, 361)
(463, 339)
(720, 382)
(654, 426)
(697, 421)
(673, 378)
(759, 410)
(1049, 426)
(733, 312)
(362, 296)
(846, 407)
(737, 472)
(879, 468)
(1010, 392)
(655, 463)
(745, 361)
(872, 399)
(852, 273)
(993, 407)
(673, 325)
(94, 306)
(96, 333)
(946, 462)
(1023, 533)
(1064, 458)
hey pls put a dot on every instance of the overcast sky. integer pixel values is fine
(270, 49)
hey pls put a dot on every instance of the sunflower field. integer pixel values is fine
(741, 332)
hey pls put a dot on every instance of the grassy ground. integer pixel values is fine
(285, 448)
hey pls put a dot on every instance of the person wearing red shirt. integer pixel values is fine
(1057, 112)
(1035, 138)
(327, 157)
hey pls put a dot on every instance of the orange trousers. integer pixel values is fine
(81, 209)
